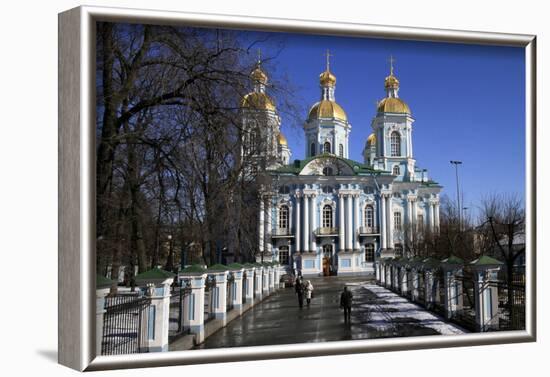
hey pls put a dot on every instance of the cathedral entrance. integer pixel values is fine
(327, 260)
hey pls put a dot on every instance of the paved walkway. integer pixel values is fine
(376, 313)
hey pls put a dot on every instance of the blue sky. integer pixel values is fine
(468, 102)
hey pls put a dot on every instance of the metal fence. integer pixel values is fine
(125, 324)
(466, 315)
(177, 310)
(229, 294)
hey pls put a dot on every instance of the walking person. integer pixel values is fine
(300, 292)
(309, 292)
(346, 299)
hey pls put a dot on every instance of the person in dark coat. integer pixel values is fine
(300, 292)
(346, 299)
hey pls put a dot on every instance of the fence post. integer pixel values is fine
(452, 292)
(249, 293)
(194, 278)
(395, 282)
(387, 269)
(431, 289)
(103, 286)
(258, 288)
(238, 290)
(219, 295)
(271, 279)
(157, 283)
(404, 280)
(265, 281)
(486, 294)
(414, 281)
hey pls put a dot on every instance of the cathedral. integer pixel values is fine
(328, 214)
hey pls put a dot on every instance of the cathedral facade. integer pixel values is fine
(328, 214)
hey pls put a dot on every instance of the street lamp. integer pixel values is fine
(456, 163)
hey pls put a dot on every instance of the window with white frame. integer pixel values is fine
(396, 170)
(341, 150)
(326, 147)
(312, 149)
(397, 220)
(395, 142)
(369, 216)
(284, 255)
(327, 216)
(283, 217)
(369, 252)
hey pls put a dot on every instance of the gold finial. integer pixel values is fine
(391, 60)
(328, 55)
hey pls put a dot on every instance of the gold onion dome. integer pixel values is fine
(327, 78)
(258, 75)
(281, 139)
(327, 109)
(393, 105)
(391, 82)
(371, 139)
(257, 101)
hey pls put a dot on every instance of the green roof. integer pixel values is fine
(218, 267)
(235, 266)
(155, 273)
(431, 262)
(194, 268)
(453, 259)
(358, 168)
(484, 260)
(249, 265)
(102, 282)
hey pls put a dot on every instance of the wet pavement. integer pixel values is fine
(376, 313)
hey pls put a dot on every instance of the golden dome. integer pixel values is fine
(393, 105)
(391, 82)
(257, 101)
(281, 139)
(327, 78)
(371, 139)
(257, 75)
(327, 109)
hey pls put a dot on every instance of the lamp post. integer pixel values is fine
(456, 163)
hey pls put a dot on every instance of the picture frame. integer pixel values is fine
(77, 276)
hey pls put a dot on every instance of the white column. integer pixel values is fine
(268, 229)
(356, 245)
(159, 316)
(382, 223)
(219, 291)
(261, 226)
(313, 222)
(349, 224)
(193, 315)
(341, 221)
(249, 283)
(237, 297)
(298, 221)
(100, 311)
(414, 212)
(432, 222)
(436, 217)
(306, 222)
(390, 221)
(258, 289)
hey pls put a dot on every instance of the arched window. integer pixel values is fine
(312, 149)
(369, 252)
(284, 257)
(327, 216)
(395, 141)
(327, 171)
(341, 150)
(369, 216)
(283, 217)
(396, 170)
(326, 147)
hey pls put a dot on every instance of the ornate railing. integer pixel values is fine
(282, 232)
(369, 230)
(326, 231)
